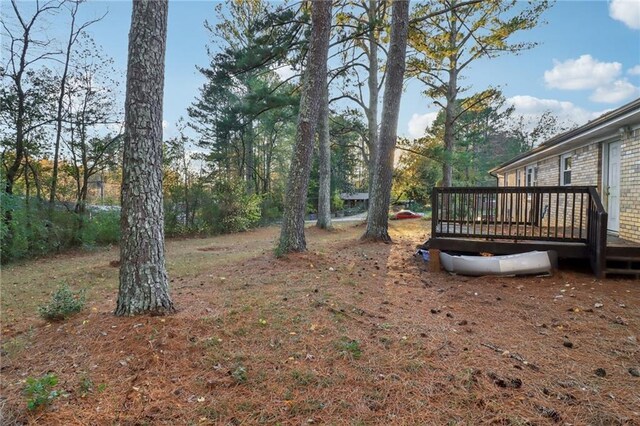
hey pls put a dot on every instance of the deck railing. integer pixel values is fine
(572, 214)
(597, 235)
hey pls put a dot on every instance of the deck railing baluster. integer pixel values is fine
(514, 213)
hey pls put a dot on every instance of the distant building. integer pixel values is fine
(356, 199)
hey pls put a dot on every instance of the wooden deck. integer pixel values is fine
(504, 220)
(575, 250)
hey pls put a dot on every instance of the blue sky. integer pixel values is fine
(587, 62)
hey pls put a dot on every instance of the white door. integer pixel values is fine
(613, 187)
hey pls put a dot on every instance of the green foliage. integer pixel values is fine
(39, 391)
(240, 374)
(36, 230)
(86, 386)
(349, 348)
(101, 229)
(63, 304)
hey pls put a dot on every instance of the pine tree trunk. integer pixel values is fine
(324, 160)
(380, 194)
(374, 91)
(450, 107)
(249, 159)
(143, 278)
(292, 232)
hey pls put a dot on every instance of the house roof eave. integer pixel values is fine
(598, 128)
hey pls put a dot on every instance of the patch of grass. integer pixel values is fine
(302, 378)
(413, 366)
(240, 374)
(211, 342)
(349, 282)
(86, 386)
(305, 407)
(40, 392)
(240, 332)
(386, 342)
(349, 348)
(211, 413)
(17, 343)
(63, 304)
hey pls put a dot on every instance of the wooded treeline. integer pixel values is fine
(270, 95)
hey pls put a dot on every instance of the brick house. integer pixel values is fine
(604, 153)
(577, 194)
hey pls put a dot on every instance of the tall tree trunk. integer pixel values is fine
(449, 130)
(14, 168)
(249, 159)
(63, 88)
(378, 218)
(450, 107)
(324, 160)
(374, 90)
(144, 286)
(292, 232)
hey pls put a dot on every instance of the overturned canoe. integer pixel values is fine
(533, 262)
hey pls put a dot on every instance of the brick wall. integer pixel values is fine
(549, 171)
(587, 170)
(587, 165)
(630, 188)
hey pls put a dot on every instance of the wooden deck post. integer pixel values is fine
(434, 260)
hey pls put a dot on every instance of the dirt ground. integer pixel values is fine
(349, 333)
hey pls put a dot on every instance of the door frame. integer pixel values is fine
(605, 178)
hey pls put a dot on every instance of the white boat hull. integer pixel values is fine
(533, 262)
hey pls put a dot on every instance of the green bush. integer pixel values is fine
(63, 304)
(40, 392)
(101, 229)
(36, 230)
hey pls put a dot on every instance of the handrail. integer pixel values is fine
(547, 213)
(597, 235)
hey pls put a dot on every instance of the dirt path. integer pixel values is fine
(347, 333)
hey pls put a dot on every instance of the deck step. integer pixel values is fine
(623, 258)
(622, 271)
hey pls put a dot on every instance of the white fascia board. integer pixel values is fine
(605, 131)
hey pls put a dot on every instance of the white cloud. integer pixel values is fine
(582, 73)
(634, 70)
(165, 123)
(587, 73)
(615, 93)
(569, 114)
(285, 72)
(418, 124)
(626, 11)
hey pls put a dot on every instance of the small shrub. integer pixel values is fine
(63, 304)
(40, 392)
(240, 374)
(86, 386)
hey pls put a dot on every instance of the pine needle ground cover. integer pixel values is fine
(348, 333)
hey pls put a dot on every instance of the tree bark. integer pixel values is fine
(292, 237)
(374, 90)
(249, 158)
(63, 88)
(450, 107)
(378, 218)
(324, 160)
(144, 285)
